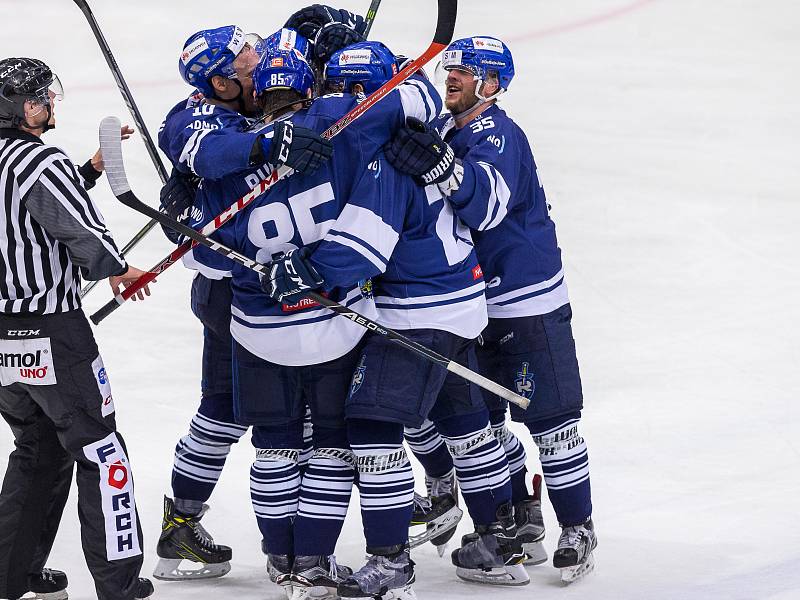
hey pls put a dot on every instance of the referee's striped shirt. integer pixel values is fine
(51, 233)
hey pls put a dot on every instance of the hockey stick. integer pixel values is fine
(137, 119)
(370, 18)
(444, 33)
(115, 171)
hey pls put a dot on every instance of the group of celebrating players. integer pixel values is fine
(425, 214)
(436, 226)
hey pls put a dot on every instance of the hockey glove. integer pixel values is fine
(332, 37)
(177, 198)
(300, 148)
(418, 150)
(290, 277)
(308, 21)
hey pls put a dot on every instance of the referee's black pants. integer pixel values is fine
(57, 400)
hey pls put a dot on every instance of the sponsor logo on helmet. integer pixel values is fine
(494, 63)
(356, 57)
(11, 69)
(451, 58)
(193, 49)
(288, 39)
(237, 41)
(354, 72)
(481, 43)
(276, 62)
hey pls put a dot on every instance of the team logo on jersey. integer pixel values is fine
(359, 375)
(116, 493)
(365, 285)
(27, 361)
(524, 382)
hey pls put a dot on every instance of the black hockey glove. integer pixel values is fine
(332, 37)
(177, 198)
(290, 277)
(308, 21)
(418, 150)
(300, 148)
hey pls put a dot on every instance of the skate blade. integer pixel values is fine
(169, 569)
(572, 574)
(508, 575)
(314, 592)
(59, 595)
(443, 524)
(404, 593)
(535, 554)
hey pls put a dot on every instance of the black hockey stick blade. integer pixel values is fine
(446, 22)
(111, 146)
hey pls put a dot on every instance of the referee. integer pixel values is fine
(54, 391)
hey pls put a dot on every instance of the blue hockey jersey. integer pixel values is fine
(503, 201)
(297, 212)
(207, 140)
(427, 273)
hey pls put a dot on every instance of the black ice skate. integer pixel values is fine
(530, 525)
(574, 555)
(279, 571)
(144, 589)
(439, 513)
(183, 538)
(493, 554)
(317, 577)
(50, 584)
(388, 575)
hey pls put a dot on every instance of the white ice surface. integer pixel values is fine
(665, 132)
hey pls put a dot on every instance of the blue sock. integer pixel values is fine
(565, 463)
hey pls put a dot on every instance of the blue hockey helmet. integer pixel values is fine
(369, 63)
(284, 64)
(214, 52)
(480, 56)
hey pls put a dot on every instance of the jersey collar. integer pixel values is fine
(18, 134)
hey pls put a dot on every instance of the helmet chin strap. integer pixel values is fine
(480, 102)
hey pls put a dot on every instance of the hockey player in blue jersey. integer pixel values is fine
(482, 161)
(300, 347)
(206, 137)
(430, 285)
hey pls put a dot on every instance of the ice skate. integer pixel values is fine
(492, 555)
(439, 513)
(50, 584)
(144, 589)
(574, 554)
(388, 575)
(183, 538)
(530, 525)
(317, 577)
(279, 571)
